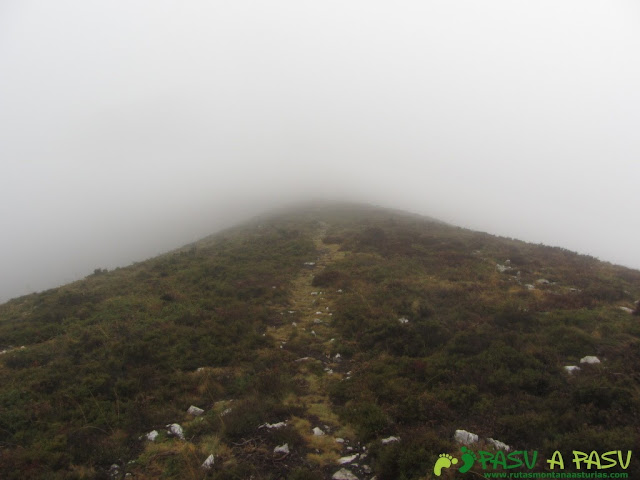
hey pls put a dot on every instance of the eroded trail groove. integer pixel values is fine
(309, 323)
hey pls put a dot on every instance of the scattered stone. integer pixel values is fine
(294, 324)
(340, 291)
(403, 320)
(571, 369)
(338, 356)
(502, 268)
(292, 311)
(226, 411)
(318, 313)
(529, 286)
(467, 438)
(195, 411)
(303, 359)
(391, 439)
(314, 293)
(152, 435)
(543, 281)
(282, 449)
(349, 459)
(114, 471)
(208, 463)
(273, 425)
(339, 440)
(175, 430)
(310, 264)
(499, 445)
(317, 321)
(589, 359)
(317, 431)
(366, 469)
(344, 474)
(626, 309)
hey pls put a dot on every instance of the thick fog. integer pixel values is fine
(128, 128)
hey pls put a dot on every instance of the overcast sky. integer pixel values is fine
(131, 127)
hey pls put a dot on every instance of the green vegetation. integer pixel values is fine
(112, 357)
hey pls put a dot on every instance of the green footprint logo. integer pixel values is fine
(444, 461)
(468, 459)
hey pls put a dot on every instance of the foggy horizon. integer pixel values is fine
(130, 129)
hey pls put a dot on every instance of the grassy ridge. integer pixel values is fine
(111, 357)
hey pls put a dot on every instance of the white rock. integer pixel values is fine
(314, 293)
(571, 369)
(403, 320)
(193, 410)
(152, 435)
(294, 324)
(303, 359)
(317, 431)
(529, 286)
(339, 440)
(340, 291)
(349, 459)
(273, 425)
(626, 309)
(313, 333)
(175, 430)
(366, 469)
(467, 438)
(208, 463)
(226, 411)
(282, 449)
(589, 359)
(311, 264)
(338, 356)
(390, 440)
(499, 445)
(317, 321)
(543, 281)
(114, 471)
(344, 474)
(292, 311)
(318, 313)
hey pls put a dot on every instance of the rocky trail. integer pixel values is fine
(333, 446)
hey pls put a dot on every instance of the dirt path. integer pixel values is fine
(311, 326)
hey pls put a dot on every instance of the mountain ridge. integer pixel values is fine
(441, 328)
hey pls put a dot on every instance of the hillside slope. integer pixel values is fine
(327, 329)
